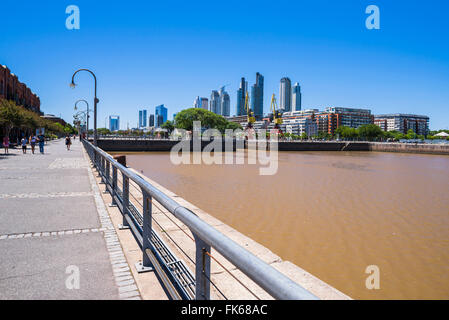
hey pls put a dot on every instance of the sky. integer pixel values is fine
(147, 53)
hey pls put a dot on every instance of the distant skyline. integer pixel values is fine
(148, 53)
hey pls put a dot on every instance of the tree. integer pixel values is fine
(185, 118)
(304, 136)
(57, 127)
(370, 132)
(168, 125)
(103, 131)
(233, 126)
(10, 116)
(346, 132)
(411, 134)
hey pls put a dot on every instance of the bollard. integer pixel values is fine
(120, 159)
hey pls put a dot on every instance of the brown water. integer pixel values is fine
(333, 214)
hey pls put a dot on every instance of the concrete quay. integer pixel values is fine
(151, 145)
(56, 238)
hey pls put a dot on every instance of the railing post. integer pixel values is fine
(202, 270)
(125, 203)
(106, 175)
(102, 169)
(114, 186)
(108, 172)
(145, 264)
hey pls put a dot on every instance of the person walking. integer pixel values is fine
(24, 142)
(33, 140)
(6, 144)
(68, 142)
(41, 139)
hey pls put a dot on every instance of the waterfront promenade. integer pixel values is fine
(54, 224)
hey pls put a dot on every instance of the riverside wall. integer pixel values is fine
(410, 148)
(142, 145)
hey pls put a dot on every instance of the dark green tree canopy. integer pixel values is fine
(184, 120)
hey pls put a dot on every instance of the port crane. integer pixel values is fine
(277, 118)
(249, 113)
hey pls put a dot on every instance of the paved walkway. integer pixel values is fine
(52, 224)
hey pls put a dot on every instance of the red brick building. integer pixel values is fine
(12, 89)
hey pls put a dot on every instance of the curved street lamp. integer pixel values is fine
(86, 114)
(95, 100)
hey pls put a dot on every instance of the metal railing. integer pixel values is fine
(173, 272)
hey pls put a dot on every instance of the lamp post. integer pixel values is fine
(87, 115)
(95, 100)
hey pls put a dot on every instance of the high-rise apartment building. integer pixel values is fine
(196, 103)
(204, 103)
(114, 123)
(201, 102)
(215, 105)
(296, 97)
(159, 120)
(241, 94)
(225, 103)
(160, 115)
(285, 95)
(151, 120)
(403, 122)
(257, 96)
(142, 118)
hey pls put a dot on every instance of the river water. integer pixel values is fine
(333, 214)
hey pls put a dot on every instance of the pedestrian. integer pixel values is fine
(68, 142)
(24, 142)
(6, 144)
(33, 140)
(41, 139)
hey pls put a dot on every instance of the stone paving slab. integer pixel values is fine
(51, 183)
(35, 268)
(22, 215)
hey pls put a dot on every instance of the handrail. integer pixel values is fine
(271, 280)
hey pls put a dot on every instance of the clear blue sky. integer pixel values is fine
(147, 53)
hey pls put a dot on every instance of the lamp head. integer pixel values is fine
(72, 85)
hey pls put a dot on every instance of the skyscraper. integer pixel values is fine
(215, 105)
(296, 97)
(160, 115)
(196, 103)
(114, 123)
(285, 95)
(142, 118)
(241, 93)
(257, 96)
(201, 103)
(225, 103)
(204, 103)
(151, 123)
